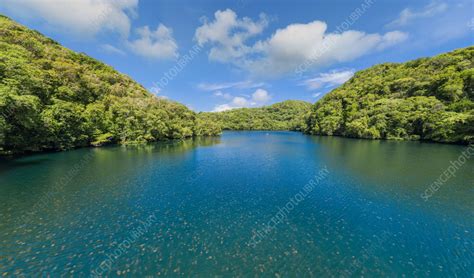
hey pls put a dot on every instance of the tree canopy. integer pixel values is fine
(425, 99)
(52, 98)
(287, 115)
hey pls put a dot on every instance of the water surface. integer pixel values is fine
(196, 208)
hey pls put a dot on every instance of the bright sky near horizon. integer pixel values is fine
(218, 55)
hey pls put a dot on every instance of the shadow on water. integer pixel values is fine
(165, 147)
(174, 146)
(11, 163)
(402, 168)
(33, 179)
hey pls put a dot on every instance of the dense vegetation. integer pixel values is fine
(287, 115)
(425, 99)
(54, 98)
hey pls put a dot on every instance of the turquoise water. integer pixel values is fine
(220, 206)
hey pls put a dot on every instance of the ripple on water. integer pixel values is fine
(209, 199)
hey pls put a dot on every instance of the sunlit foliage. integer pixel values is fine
(287, 115)
(52, 98)
(425, 99)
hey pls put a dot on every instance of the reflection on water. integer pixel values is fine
(70, 213)
(402, 168)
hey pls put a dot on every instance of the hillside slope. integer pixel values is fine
(425, 99)
(286, 115)
(54, 98)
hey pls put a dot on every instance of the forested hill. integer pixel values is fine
(54, 98)
(286, 115)
(426, 99)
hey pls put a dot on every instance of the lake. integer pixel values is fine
(243, 204)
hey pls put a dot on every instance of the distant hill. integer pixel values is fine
(425, 99)
(286, 115)
(52, 98)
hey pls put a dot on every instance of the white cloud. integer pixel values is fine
(258, 98)
(316, 95)
(81, 17)
(297, 44)
(391, 39)
(221, 86)
(223, 107)
(240, 102)
(154, 44)
(223, 95)
(261, 96)
(408, 15)
(287, 48)
(328, 79)
(111, 49)
(87, 18)
(444, 21)
(237, 102)
(227, 35)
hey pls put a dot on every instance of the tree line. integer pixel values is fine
(52, 98)
(286, 115)
(428, 99)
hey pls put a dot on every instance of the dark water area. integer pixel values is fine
(243, 204)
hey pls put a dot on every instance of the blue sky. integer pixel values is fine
(218, 55)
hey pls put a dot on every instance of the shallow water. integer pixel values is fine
(220, 206)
